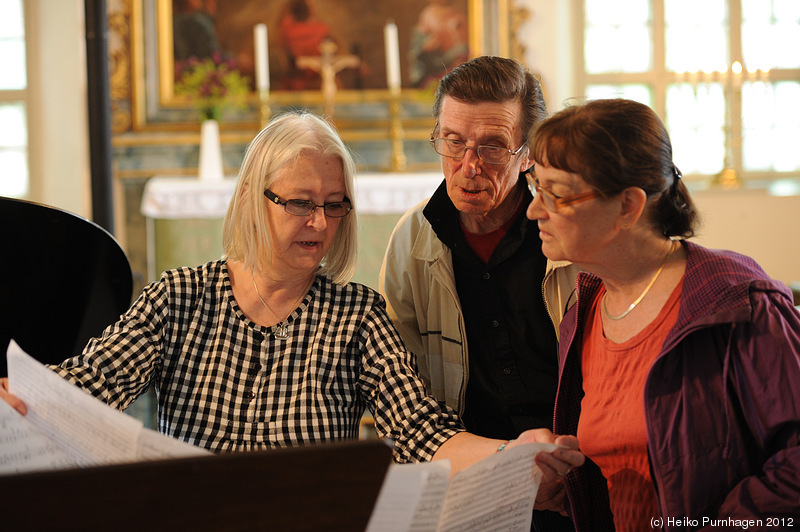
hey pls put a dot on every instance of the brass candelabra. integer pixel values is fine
(265, 112)
(396, 132)
(728, 177)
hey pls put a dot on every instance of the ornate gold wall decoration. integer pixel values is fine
(141, 78)
(119, 68)
(518, 16)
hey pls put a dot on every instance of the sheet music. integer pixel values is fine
(90, 431)
(411, 498)
(23, 447)
(496, 494)
(428, 510)
(67, 427)
(154, 445)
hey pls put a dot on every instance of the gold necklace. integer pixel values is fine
(647, 289)
(281, 330)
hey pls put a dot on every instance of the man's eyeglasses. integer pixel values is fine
(336, 209)
(456, 149)
(552, 202)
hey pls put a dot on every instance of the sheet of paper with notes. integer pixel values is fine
(67, 427)
(496, 494)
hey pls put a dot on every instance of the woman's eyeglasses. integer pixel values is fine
(552, 202)
(336, 209)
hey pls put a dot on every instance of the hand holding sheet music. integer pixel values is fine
(67, 427)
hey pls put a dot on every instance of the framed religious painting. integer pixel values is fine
(433, 36)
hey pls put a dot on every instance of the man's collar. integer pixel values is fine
(442, 214)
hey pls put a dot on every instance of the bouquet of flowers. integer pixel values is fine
(212, 84)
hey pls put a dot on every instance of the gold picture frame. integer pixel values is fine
(154, 52)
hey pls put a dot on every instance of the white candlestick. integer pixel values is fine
(392, 56)
(261, 57)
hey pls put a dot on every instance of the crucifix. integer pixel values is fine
(328, 65)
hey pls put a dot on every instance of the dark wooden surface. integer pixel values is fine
(327, 487)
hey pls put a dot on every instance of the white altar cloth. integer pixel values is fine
(181, 197)
(376, 193)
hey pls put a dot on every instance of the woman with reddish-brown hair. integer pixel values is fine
(679, 366)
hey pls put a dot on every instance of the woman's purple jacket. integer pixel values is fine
(722, 401)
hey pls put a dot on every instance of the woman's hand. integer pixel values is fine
(13, 400)
(554, 465)
(553, 498)
(557, 463)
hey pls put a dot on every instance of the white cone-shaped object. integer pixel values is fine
(210, 167)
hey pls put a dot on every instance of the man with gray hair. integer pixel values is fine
(464, 275)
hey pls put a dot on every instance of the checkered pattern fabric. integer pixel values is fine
(226, 383)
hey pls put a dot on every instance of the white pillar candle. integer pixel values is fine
(392, 55)
(261, 57)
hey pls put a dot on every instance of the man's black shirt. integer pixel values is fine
(512, 344)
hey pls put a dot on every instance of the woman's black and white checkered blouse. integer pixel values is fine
(226, 383)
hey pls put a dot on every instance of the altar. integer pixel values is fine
(184, 218)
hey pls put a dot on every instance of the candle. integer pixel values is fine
(261, 57)
(392, 56)
(736, 74)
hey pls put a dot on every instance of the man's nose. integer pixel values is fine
(471, 160)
